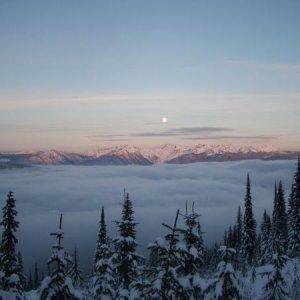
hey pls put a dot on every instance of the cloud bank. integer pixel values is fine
(157, 191)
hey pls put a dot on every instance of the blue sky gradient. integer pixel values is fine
(73, 72)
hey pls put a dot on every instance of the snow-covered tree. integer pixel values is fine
(103, 280)
(29, 285)
(249, 225)
(125, 260)
(226, 286)
(294, 216)
(12, 276)
(211, 258)
(58, 285)
(276, 287)
(192, 254)
(239, 229)
(295, 288)
(21, 270)
(74, 271)
(265, 240)
(36, 278)
(279, 221)
(165, 283)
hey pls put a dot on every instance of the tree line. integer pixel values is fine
(178, 266)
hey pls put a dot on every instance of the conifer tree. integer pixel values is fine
(21, 270)
(36, 279)
(142, 286)
(58, 285)
(10, 267)
(74, 271)
(29, 282)
(200, 247)
(103, 280)
(294, 215)
(165, 283)
(192, 254)
(225, 238)
(280, 218)
(214, 257)
(239, 230)
(295, 290)
(249, 225)
(276, 287)
(265, 240)
(226, 286)
(125, 259)
(238, 233)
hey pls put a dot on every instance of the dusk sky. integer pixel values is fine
(77, 75)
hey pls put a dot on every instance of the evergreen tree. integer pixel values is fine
(192, 254)
(36, 279)
(29, 282)
(58, 286)
(249, 234)
(276, 287)
(265, 240)
(294, 216)
(280, 218)
(74, 271)
(231, 238)
(295, 288)
(165, 283)
(212, 258)
(125, 260)
(226, 285)
(12, 277)
(239, 230)
(21, 270)
(225, 237)
(103, 280)
(142, 286)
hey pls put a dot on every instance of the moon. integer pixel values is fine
(164, 120)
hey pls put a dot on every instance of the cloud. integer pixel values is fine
(234, 137)
(157, 191)
(186, 133)
(117, 140)
(21, 102)
(183, 131)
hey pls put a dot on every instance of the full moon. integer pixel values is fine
(164, 120)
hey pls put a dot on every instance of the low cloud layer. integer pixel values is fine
(187, 133)
(157, 191)
(233, 137)
(183, 131)
(172, 132)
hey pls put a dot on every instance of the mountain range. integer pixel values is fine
(130, 154)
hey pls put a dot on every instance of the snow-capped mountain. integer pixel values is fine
(130, 154)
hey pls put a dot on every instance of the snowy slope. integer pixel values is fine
(131, 154)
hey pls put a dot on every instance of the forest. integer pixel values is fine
(257, 259)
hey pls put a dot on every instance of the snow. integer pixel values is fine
(132, 153)
(253, 290)
(14, 278)
(166, 152)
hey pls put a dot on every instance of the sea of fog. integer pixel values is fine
(42, 192)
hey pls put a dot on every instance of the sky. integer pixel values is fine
(77, 75)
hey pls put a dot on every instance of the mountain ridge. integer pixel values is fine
(132, 154)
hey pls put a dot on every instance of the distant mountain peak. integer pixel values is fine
(144, 155)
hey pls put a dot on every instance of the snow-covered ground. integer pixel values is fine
(252, 288)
